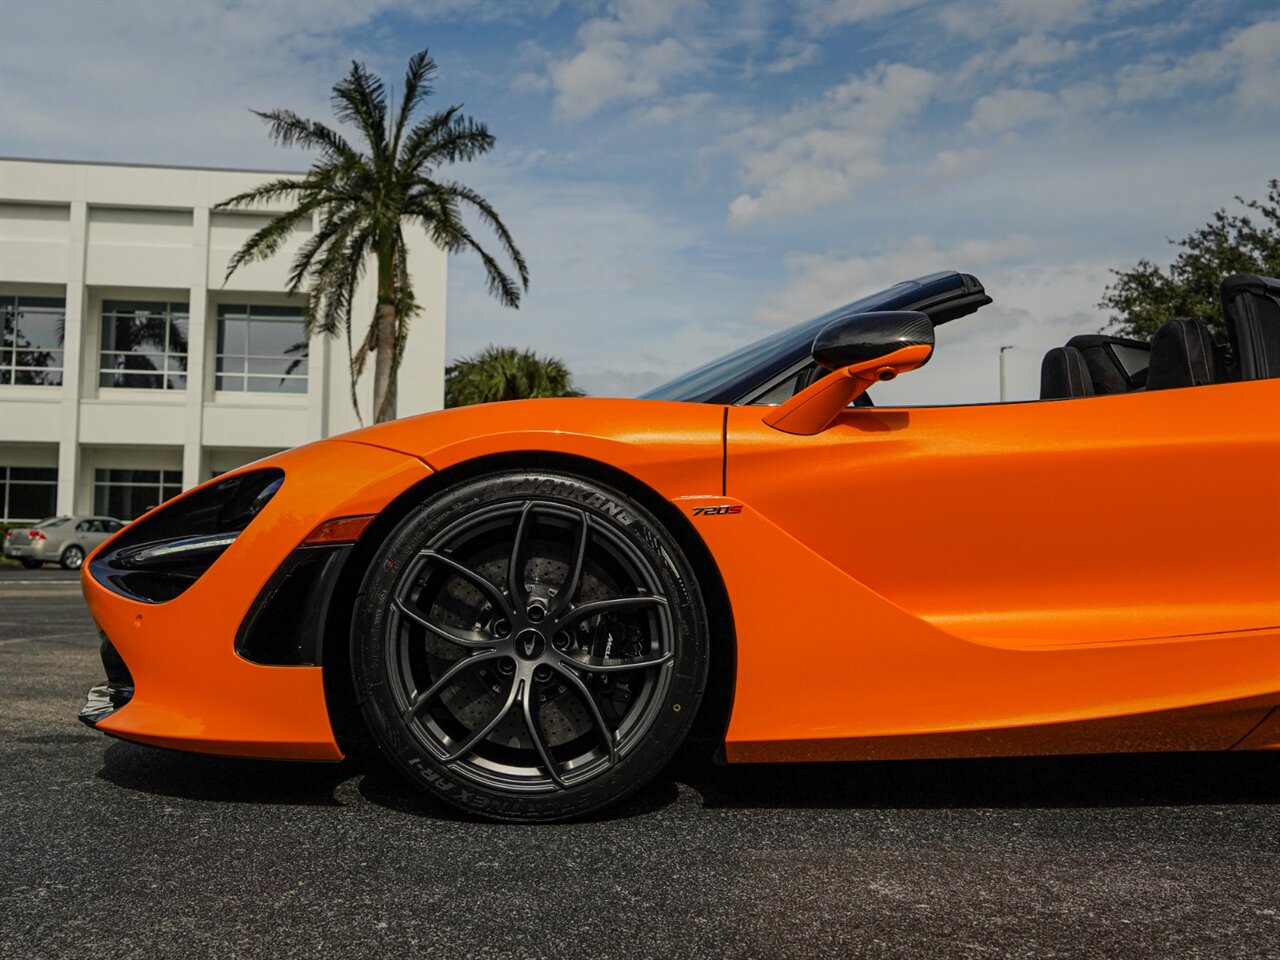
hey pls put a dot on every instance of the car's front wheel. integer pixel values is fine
(530, 646)
(72, 558)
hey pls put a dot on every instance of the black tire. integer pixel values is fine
(32, 564)
(561, 708)
(72, 558)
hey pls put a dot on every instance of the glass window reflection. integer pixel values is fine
(262, 349)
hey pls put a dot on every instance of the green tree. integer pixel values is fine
(364, 199)
(505, 373)
(1144, 297)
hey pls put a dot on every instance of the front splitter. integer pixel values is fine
(114, 692)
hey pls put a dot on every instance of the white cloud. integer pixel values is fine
(1008, 109)
(952, 162)
(820, 16)
(1037, 50)
(1250, 59)
(629, 54)
(1024, 58)
(125, 76)
(637, 18)
(615, 70)
(481, 11)
(792, 55)
(819, 152)
(676, 108)
(982, 19)
(530, 82)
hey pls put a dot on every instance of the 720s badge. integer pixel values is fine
(717, 511)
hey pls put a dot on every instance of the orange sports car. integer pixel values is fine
(530, 606)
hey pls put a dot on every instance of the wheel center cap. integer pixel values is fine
(530, 644)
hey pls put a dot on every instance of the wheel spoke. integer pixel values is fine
(471, 640)
(569, 589)
(569, 575)
(467, 745)
(601, 606)
(422, 699)
(477, 580)
(530, 721)
(606, 735)
(615, 666)
(515, 568)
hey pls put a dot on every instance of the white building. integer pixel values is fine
(129, 370)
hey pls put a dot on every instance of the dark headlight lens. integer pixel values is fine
(159, 556)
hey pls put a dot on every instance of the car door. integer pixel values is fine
(96, 533)
(1041, 566)
(110, 527)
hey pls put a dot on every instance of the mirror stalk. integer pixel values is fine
(811, 410)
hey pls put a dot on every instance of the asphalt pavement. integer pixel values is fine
(112, 849)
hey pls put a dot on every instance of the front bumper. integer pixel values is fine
(191, 690)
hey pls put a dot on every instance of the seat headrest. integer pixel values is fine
(1183, 354)
(1251, 306)
(1064, 375)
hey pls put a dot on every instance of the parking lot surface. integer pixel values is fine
(112, 849)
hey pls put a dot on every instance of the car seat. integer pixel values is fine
(1251, 306)
(1183, 354)
(1065, 375)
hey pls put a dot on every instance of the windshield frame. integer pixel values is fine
(741, 376)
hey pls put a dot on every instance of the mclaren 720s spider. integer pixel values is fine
(529, 606)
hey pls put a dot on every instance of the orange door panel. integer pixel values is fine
(1020, 566)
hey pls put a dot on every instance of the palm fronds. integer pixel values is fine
(505, 373)
(359, 198)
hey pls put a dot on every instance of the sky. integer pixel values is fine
(687, 176)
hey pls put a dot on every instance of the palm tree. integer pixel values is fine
(505, 373)
(364, 199)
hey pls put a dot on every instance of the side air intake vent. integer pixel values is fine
(160, 555)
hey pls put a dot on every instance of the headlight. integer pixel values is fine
(160, 555)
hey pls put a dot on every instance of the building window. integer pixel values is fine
(262, 349)
(28, 493)
(144, 345)
(128, 494)
(31, 342)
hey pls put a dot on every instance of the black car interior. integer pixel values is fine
(1182, 352)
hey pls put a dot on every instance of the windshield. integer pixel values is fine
(52, 522)
(727, 379)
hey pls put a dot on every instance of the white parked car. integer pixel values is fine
(63, 540)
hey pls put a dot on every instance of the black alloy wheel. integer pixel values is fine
(72, 558)
(530, 646)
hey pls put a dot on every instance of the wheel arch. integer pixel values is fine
(708, 732)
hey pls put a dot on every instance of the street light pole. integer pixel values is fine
(1007, 346)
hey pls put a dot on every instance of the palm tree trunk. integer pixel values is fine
(384, 400)
(384, 388)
